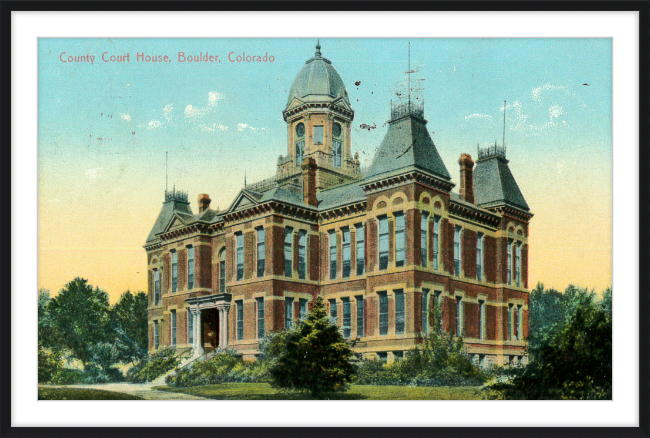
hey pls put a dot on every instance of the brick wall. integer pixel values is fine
(469, 253)
(314, 257)
(203, 269)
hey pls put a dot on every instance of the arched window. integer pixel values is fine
(222, 271)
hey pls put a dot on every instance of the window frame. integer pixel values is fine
(174, 270)
(240, 256)
(332, 255)
(360, 316)
(347, 317)
(302, 254)
(222, 271)
(334, 312)
(400, 239)
(260, 234)
(458, 251)
(346, 255)
(288, 313)
(460, 323)
(481, 319)
(424, 239)
(436, 242)
(239, 319)
(383, 313)
(191, 266)
(260, 309)
(316, 134)
(288, 251)
(156, 287)
(383, 245)
(480, 254)
(400, 311)
(425, 310)
(509, 269)
(360, 248)
(190, 326)
(156, 334)
(172, 327)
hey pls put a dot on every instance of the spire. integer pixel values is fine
(318, 54)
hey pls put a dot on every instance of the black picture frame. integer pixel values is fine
(643, 430)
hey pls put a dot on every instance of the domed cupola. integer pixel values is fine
(319, 117)
(318, 81)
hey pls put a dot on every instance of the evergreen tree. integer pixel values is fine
(315, 358)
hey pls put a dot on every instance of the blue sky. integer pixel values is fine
(221, 120)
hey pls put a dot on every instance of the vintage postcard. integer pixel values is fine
(352, 219)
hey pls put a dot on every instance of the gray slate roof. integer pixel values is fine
(168, 210)
(317, 81)
(494, 184)
(341, 195)
(407, 145)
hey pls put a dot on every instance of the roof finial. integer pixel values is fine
(318, 54)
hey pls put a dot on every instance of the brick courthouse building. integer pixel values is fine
(382, 248)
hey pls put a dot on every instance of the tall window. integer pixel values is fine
(518, 263)
(174, 271)
(303, 309)
(156, 335)
(240, 256)
(361, 250)
(510, 330)
(240, 320)
(481, 319)
(399, 312)
(436, 299)
(288, 312)
(424, 238)
(360, 311)
(332, 255)
(333, 312)
(222, 271)
(345, 249)
(288, 253)
(336, 149)
(173, 327)
(260, 317)
(302, 254)
(509, 261)
(190, 327)
(479, 257)
(459, 316)
(156, 286)
(300, 143)
(425, 311)
(436, 238)
(383, 242)
(520, 323)
(300, 151)
(190, 267)
(457, 250)
(261, 252)
(383, 313)
(347, 318)
(399, 239)
(318, 135)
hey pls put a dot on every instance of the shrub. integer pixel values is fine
(67, 376)
(48, 364)
(95, 374)
(224, 367)
(152, 366)
(315, 357)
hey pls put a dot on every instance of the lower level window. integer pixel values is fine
(347, 318)
(156, 335)
(240, 320)
(288, 313)
(383, 313)
(173, 324)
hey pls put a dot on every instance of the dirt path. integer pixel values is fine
(140, 389)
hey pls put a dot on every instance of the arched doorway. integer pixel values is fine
(210, 319)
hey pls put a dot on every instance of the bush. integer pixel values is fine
(67, 376)
(95, 374)
(224, 367)
(48, 364)
(441, 361)
(152, 366)
(315, 357)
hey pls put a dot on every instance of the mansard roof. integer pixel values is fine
(172, 207)
(407, 145)
(495, 185)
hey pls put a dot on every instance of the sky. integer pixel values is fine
(104, 129)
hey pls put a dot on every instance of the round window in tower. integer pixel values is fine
(336, 130)
(300, 130)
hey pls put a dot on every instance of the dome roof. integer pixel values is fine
(318, 81)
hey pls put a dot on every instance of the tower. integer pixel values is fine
(319, 116)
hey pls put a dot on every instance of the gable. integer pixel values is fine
(175, 223)
(243, 200)
(295, 102)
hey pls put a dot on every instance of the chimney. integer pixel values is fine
(466, 178)
(204, 202)
(309, 181)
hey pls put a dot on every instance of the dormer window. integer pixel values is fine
(318, 135)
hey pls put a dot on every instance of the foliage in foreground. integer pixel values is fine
(82, 394)
(315, 358)
(152, 366)
(223, 367)
(440, 361)
(576, 362)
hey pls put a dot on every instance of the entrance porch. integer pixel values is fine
(210, 316)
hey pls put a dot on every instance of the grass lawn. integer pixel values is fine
(82, 394)
(263, 391)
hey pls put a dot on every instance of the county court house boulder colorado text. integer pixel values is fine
(383, 247)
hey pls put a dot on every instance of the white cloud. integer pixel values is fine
(555, 111)
(478, 116)
(192, 112)
(125, 117)
(167, 112)
(213, 128)
(517, 120)
(154, 124)
(246, 127)
(94, 174)
(536, 93)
